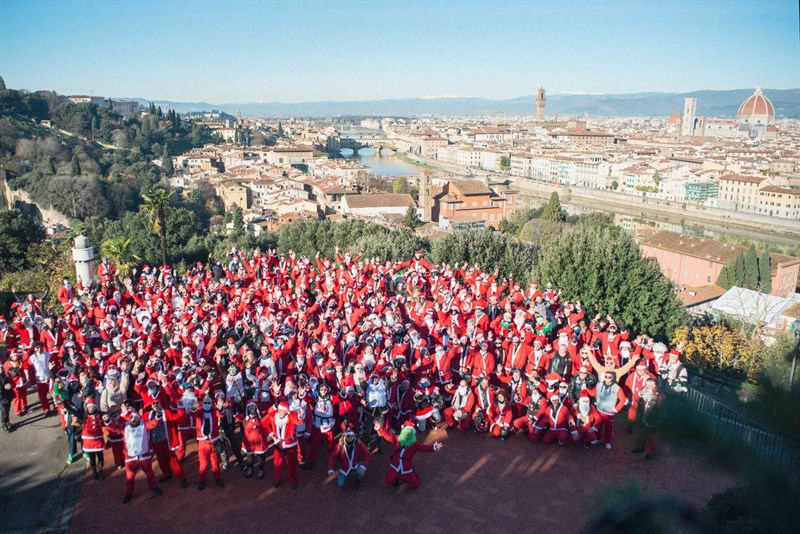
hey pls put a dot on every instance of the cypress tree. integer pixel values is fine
(166, 161)
(724, 278)
(765, 273)
(738, 271)
(750, 268)
(552, 210)
(75, 166)
(51, 165)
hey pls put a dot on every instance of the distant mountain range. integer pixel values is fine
(709, 103)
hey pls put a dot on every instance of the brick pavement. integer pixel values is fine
(475, 484)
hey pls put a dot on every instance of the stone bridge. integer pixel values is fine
(357, 142)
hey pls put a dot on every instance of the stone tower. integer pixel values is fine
(426, 195)
(688, 122)
(540, 104)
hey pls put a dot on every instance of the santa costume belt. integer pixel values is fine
(402, 471)
(147, 456)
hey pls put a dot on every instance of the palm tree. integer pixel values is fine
(155, 206)
(118, 250)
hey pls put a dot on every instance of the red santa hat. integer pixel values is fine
(641, 364)
(552, 378)
(585, 395)
(283, 406)
(552, 396)
(409, 423)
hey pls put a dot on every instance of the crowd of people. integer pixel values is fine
(307, 357)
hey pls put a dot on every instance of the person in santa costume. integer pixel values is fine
(207, 432)
(352, 457)
(401, 468)
(165, 440)
(426, 403)
(610, 399)
(323, 420)
(649, 417)
(527, 423)
(554, 422)
(500, 416)
(138, 450)
(255, 440)
(587, 421)
(461, 406)
(42, 371)
(282, 426)
(92, 440)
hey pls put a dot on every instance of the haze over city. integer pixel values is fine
(354, 50)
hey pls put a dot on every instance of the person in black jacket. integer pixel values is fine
(6, 394)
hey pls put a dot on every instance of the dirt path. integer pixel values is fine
(475, 484)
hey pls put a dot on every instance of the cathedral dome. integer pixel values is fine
(757, 105)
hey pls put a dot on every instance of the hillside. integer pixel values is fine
(709, 102)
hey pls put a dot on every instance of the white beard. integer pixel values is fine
(584, 408)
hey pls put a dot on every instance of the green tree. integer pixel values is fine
(764, 273)
(750, 279)
(602, 267)
(724, 279)
(411, 218)
(75, 166)
(237, 221)
(118, 249)
(18, 231)
(490, 250)
(400, 185)
(614, 185)
(505, 163)
(156, 205)
(280, 129)
(738, 270)
(552, 210)
(166, 162)
(51, 166)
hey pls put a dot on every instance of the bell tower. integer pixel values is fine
(540, 104)
(426, 195)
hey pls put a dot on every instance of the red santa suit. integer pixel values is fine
(255, 439)
(460, 409)
(138, 451)
(92, 434)
(587, 421)
(633, 386)
(553, 422)
(401, 465)
(348, 459)
(166, 439)
(282, 426)
(207, 432)
(500, 418)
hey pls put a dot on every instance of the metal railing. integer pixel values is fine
(782, 453)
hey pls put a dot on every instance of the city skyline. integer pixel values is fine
(310, 51)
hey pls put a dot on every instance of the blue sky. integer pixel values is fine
(293, 51)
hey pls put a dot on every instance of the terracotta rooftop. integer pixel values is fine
(783, 190)
(470, 187)
(697, 247)
(700, 247)
(692, 296)
(742, 178)
(383, 200)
